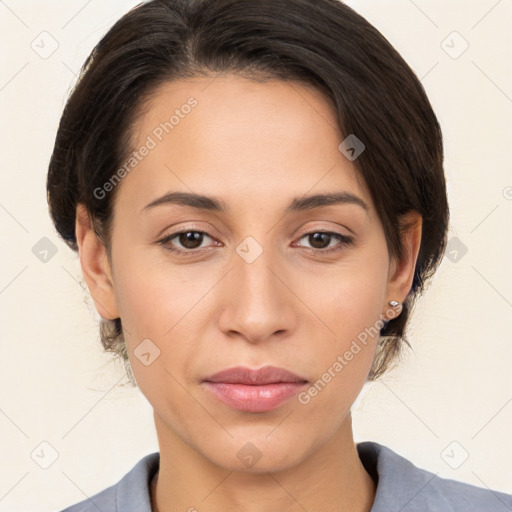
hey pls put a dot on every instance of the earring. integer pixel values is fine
(394, 304)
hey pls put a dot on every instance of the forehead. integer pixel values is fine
(238, 139)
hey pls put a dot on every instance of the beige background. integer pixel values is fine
(59, 388)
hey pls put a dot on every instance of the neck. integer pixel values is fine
(332, 478)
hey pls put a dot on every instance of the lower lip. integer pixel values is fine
(254, 398)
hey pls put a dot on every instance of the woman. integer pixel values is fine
(256, 192)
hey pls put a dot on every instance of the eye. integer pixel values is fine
(321, 240)
(190, 240)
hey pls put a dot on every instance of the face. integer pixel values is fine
(254, 282)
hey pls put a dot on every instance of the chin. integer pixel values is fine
(257, 454)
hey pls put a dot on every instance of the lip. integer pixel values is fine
(264, 375)
(254, 390)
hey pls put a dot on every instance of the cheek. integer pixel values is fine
(160, 303)
(166, 304)
(347, 297)
(152, 294)
(349, 307)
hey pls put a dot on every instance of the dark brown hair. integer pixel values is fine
(322, 43)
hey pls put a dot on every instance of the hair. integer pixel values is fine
(320, 43)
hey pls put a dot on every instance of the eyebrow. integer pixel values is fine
(299, 204)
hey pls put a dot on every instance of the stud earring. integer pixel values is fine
(394, 303)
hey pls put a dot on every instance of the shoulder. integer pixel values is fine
(408, 488)
(130, 494)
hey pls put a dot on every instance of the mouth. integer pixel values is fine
(254, 390)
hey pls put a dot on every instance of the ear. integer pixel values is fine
(401, 273)
(95, 265)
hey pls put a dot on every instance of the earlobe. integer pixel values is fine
(401, 272)
(95, 265)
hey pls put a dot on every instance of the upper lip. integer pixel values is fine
(244, 375)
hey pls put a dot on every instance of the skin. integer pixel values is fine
(256, 146)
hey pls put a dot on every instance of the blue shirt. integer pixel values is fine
(400, 487)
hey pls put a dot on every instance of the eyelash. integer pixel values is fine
(345, 241)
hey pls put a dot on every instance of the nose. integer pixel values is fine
(258, 302)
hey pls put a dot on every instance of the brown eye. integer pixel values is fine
(190, 239)
(320, 241)
(185, 241)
